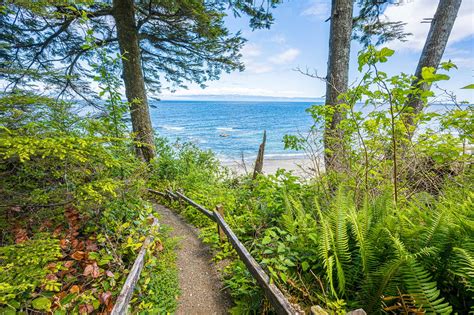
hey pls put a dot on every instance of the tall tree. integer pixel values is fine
(129, 43)
(438, 35)
(177, 41)
(365, 27)
(337, 80)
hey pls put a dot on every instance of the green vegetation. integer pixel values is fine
(388, 227)
(398, 223)
(73, 217)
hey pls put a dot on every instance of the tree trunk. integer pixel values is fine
(438, 36)
(124, 15)
(337, 81)
(258, 169)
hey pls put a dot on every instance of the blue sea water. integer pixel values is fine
(205, 123)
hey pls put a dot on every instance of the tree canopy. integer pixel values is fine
(181, 41)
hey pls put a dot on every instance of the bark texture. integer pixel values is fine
(337, 80)
(258, 169)
(124, 15)
(433, 51)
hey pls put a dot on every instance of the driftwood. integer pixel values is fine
(259, 161)
(121, 304)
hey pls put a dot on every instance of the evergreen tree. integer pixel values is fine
(178, 41)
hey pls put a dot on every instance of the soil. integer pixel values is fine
(202, 291)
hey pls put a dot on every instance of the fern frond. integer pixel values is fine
(463, 266)
(341, 239)
(325, 248)
(378, 282)
(360, 234)
(419, 284)
(434, 226)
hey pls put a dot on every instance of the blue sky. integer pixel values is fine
(299, 38)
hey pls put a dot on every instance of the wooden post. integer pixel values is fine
(222, 236)
(259, 162)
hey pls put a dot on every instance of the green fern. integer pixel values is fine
(325, 248)
(360, 234)
(463, 265)
(419, 284)
(334, 243)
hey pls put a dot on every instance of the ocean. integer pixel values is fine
(232, 128)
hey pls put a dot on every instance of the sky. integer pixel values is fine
(299, 39)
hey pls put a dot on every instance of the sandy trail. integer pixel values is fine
(201, 288)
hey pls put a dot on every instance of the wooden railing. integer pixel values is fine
(121, 304)
(274, 295)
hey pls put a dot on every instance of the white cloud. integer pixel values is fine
(285, 57)
(257, 68)
(461, 57)
(251, 50)
(413, 12)
(278, 39)
(317, 9)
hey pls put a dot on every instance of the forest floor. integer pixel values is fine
(201, 288)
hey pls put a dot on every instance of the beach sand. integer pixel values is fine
(302, 167)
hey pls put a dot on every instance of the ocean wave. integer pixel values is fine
(228, 129)
(173, 128)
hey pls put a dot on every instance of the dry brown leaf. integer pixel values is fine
(63, 243)
(79, 255)
(51, 266)
(109, 274)
(57, 230)
(21, 235)
(92, 270)
(86, 308)
(68, 263)
(91, 246)
(159, 246)
(105, 297)
(75, 289)
(51, 277)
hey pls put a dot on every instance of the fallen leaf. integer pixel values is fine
(63, 243)
(79, 255)
(75, 289)
(109, 274)
(92, 270)
(105, 297)
(159, 246)
(51, 277)
(51, 266)
(68, 263)
(57, 231)
(86, 308)
(91, 246)
(21, 235)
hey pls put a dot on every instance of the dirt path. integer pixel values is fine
(201, 289)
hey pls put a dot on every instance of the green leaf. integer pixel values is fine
(305, 265)
(468, 87)
(266, 240)
(41, 303)
(427, 73)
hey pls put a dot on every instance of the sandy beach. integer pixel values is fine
(302, 167)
